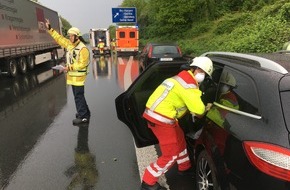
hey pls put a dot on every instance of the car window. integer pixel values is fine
(165, 49)
(242, 93)
(132, 34)
(209, 86)
(122, 34)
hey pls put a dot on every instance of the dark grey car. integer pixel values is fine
(159, 52)
(243, 142)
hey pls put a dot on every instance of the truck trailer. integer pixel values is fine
(24, 41)
(127, 39)
(97, 34)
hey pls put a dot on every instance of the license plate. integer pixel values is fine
(166, 59)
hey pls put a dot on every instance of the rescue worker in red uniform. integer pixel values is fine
(77, 61)
(168, 103)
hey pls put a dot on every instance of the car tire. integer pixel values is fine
(206, 173)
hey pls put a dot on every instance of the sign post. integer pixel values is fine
(124, 15)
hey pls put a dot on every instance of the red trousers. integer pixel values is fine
(173, 148)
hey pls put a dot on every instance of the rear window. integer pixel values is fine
(122, 34)
(132, 34)
(165, 50)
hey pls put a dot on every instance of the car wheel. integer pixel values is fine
(206, 178)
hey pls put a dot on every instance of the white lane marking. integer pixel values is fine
(127, 73)
(145, 155)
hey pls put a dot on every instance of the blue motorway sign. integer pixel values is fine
(124, 15)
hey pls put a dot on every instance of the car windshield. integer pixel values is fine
(165, 50)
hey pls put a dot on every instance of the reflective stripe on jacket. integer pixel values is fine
(173, 98)
(78, 58)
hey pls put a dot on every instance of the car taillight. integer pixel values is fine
(179, 51)
(150, 52)
(270, 159)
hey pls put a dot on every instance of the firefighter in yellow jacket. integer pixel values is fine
(168, 103)
(77, 61)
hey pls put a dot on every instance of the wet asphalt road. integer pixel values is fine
(40, 149)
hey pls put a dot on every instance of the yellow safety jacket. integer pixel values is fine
(101, 45)
(173, 98)
(113, 45)
(218, 115)
(77, 56)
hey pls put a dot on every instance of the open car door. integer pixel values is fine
(130, 105)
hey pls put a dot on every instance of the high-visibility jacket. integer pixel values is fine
(218, 115)
(101, 45)
(173, 98)
(77, 57)
(113, 45)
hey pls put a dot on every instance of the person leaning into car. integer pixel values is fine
(227, 98)
(168, 103)
(78, 59)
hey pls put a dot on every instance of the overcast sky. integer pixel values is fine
(84, 14)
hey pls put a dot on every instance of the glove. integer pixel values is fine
(208, 107)
(47, 24)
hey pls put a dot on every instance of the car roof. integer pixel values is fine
(162, 43)
(249, 60)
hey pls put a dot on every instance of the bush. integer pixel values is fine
(229, 23)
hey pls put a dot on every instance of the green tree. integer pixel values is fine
(112, 30)
(169, 19)
(65, 25)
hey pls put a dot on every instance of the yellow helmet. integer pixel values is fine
(203, 63)
(74, 31)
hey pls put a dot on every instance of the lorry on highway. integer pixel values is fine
(97, 34)
(24, 41)
(127, 39)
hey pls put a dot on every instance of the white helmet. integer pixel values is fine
(203, 63)
(229, 79)
(74, 31)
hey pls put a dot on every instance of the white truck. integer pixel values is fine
(97, 34)
(24, 41)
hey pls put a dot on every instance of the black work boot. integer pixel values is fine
(156, 186)
(79, 121)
